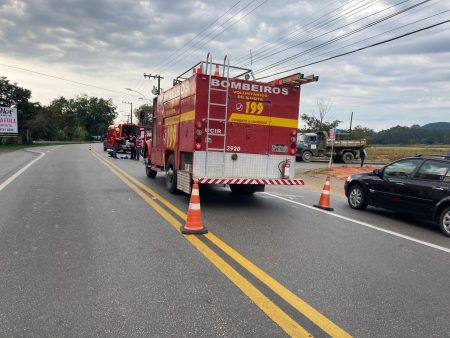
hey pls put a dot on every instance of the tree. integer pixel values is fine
(324, 107)
(82, 117)
(313, 124)
(360, 132)
(143, 115)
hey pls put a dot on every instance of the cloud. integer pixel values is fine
(111, 44)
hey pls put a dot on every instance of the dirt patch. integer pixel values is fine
(344, 172)
(315, 179)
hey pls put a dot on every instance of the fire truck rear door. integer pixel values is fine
(248, 126)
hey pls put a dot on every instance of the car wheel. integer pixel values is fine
(306, 156)
(171, 175)
(444, 221)
(348, 157)
(357, 197)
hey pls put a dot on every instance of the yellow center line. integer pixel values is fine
(300, 305)
(291, 327)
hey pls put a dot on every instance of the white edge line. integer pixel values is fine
(431, 245)
(17, 174)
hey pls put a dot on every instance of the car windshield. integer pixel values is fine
(300, 138)
(403, 168)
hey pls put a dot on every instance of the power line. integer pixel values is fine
(63, 79)
(359, 49)
(198, 34)
(370, 38)
(247, 14)
(184, 56)
(321, 45)
(296, 33)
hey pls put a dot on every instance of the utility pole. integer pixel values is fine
(159, 77)
(131, 110)
(351, 120)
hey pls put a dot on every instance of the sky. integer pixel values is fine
(106, 46)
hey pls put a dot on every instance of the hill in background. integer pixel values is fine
(437, 126)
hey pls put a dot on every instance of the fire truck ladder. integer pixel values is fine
(224, 105)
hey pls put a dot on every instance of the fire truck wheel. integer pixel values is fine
(171, 175)
(150, 173)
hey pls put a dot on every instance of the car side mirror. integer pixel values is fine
(378, 172)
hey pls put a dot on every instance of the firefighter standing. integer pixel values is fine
(115, 139)
(133, 146)
(139, 142)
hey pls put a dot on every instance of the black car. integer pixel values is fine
(418, 186)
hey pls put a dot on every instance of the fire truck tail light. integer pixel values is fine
(293, 146)
(198, 139)
(293, 151)
(198, 124)
(294, 132)
(198, 146)
(293, 139)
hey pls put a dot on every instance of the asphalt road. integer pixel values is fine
(85, 251)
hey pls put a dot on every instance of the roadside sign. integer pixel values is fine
(8, 120)
(338, 131)
(333, 134)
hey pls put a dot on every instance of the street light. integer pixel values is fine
(132, 90)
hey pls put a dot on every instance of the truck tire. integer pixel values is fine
(307, 156)
(348, 157)
(171, 175)
(150, 173)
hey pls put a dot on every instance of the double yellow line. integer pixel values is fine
(291, 327)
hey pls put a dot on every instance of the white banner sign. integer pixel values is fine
(8, 120)
(333, 134)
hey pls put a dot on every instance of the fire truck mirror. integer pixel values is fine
(234, 157)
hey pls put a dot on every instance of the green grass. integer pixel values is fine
(391, 153)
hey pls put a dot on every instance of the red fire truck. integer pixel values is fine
(218, 127)
(125, 130)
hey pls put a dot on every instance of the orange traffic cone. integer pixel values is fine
(194, 224)
(324, 202)
(217, 72)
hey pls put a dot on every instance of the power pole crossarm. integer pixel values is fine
(159, 77)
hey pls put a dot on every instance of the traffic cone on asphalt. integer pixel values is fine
(324, 202)
(194, 224)
(217, 72)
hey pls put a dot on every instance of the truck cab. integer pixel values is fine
(311, 144)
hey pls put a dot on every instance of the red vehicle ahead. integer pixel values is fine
(224, 129)
(125, 130)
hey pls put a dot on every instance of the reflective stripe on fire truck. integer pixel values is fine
(188, 116)
(205, 180)
(263, 120)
